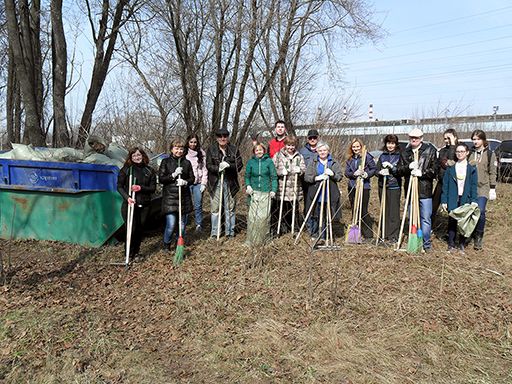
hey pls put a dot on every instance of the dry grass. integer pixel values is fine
(230, 314)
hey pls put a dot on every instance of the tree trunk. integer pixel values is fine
(59, 61)
(24, 42)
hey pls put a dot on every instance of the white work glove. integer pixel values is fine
(387, 164)
(358, 172)
(181, 182)
(364, 175)
(414, 165)
(296, 169)
(223, 165)
(249, 190)
(474, 203)
(272, 194)
(321, 177)
(416, 172)
(384, 172)
(444, 207)
(284, 172)
(202, 188)
(328, 172)
(492, 194)
(178, 171)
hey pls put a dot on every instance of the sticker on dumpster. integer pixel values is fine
(34, 178)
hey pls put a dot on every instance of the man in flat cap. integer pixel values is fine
(425, 169)
(223, 158)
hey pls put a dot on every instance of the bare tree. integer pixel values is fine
(24, 42)
(103, 34)
(155, 70)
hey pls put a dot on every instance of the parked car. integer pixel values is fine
(493, 143)
(403, 145)
(504, 157)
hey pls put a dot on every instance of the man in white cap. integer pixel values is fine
(425, 169)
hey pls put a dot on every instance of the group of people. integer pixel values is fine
(278, 176)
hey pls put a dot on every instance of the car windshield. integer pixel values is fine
(506, 146)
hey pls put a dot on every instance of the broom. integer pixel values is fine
(180, 249)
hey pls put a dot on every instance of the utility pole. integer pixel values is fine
(495, 110)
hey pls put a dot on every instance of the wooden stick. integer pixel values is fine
(381, 216)
(329, 215)
(220, 204)
(128, 224)
(404, 216)
(322, 209)
(294, 202)
(309, 211)
(281, 207)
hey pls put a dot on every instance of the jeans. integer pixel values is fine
(195, 191)
(482, 203)
(228, 207)
(425, 215)
(171, 220)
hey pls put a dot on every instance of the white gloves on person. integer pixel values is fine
(364, 175)
(272, 194)
(492, 194)
(202, 188)
(284, 172)
(223, 165)
(295, 169)
(249, 190)
(358, 172)
(414, 165)
(321, 177)
(178, 171)
(474, 203)
(387, 164)
(416, 172)
(328, 172)
(181, 182)
(444, 207)
(384, 172)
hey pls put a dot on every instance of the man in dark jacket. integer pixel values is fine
(425, 169)
(223, 158)
(309, 152)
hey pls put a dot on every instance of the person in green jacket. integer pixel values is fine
(261, 186)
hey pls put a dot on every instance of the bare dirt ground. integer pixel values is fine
(279, 314)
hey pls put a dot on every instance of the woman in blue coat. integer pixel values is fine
(353, 172)
(459, 188)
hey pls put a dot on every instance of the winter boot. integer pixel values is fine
(478, 240)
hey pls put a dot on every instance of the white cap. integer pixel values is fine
(416, 133)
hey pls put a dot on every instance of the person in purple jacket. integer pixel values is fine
(353, 172)
(197, 157)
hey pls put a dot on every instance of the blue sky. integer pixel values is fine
(441, 58)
